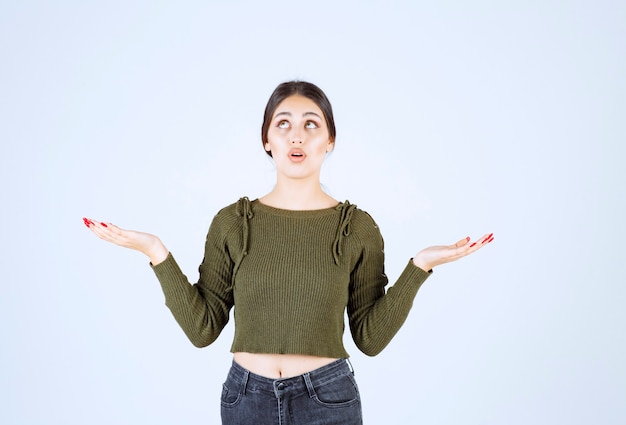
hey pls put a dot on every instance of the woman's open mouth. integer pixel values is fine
(296, 155)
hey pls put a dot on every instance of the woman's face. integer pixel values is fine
(298, 138)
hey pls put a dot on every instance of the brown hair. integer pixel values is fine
(301, 88)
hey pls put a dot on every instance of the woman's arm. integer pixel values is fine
(201, 309)
(375, 315)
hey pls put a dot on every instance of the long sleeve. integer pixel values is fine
(375, 316)
(202, 309)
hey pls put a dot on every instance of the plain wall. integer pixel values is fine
(454, 119)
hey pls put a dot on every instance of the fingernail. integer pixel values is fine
(490, 240)
(86, 221)
(467, 238)
(487, 238)
(104, 224)
(472, 244)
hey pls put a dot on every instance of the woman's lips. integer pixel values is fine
(297, 155)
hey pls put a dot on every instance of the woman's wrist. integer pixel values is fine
(157, 252)
(419, 262)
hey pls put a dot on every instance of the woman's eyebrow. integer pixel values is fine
(289, 114)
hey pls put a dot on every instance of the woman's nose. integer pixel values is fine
(296, 138)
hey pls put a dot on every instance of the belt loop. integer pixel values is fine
(309, 384)
(244, 382)
(350, 366)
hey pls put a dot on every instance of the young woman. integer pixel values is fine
(291, 263)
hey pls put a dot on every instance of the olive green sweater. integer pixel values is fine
(291, 275)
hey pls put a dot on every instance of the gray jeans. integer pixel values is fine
(324, 396)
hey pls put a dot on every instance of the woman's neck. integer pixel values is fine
(298, 195)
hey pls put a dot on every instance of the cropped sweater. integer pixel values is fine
(291, 276)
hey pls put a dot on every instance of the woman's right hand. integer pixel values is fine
(146, 243)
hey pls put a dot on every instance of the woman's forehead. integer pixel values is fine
(299, 106)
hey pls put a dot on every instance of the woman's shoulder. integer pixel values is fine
(361, 223)
(360, 217)
(231, 215)
(235, 209)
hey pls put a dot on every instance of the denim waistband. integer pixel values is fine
(301, 383)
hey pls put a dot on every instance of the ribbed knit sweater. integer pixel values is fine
(291, 276)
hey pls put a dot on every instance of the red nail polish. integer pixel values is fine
(103, 224)
(86, 221)
(472, 244)
(487, 238)
(490, 240)
(467, 238)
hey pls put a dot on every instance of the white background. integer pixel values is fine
(454, 118)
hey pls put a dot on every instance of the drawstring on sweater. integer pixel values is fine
(344, 228)
(244, 210)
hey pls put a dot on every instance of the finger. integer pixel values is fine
(105, 231)
(102, 224)
(483, 240)
(112, 228)
(95, 224)
(89, 222)
(462, 242)
(101, 231)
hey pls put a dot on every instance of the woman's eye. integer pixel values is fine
(310, 124)
(283, 124)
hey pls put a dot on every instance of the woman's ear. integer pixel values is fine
(267, 147)
(330, 146)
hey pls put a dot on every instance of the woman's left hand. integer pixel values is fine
(433, 256)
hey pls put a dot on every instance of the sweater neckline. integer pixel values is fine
(259, 206)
